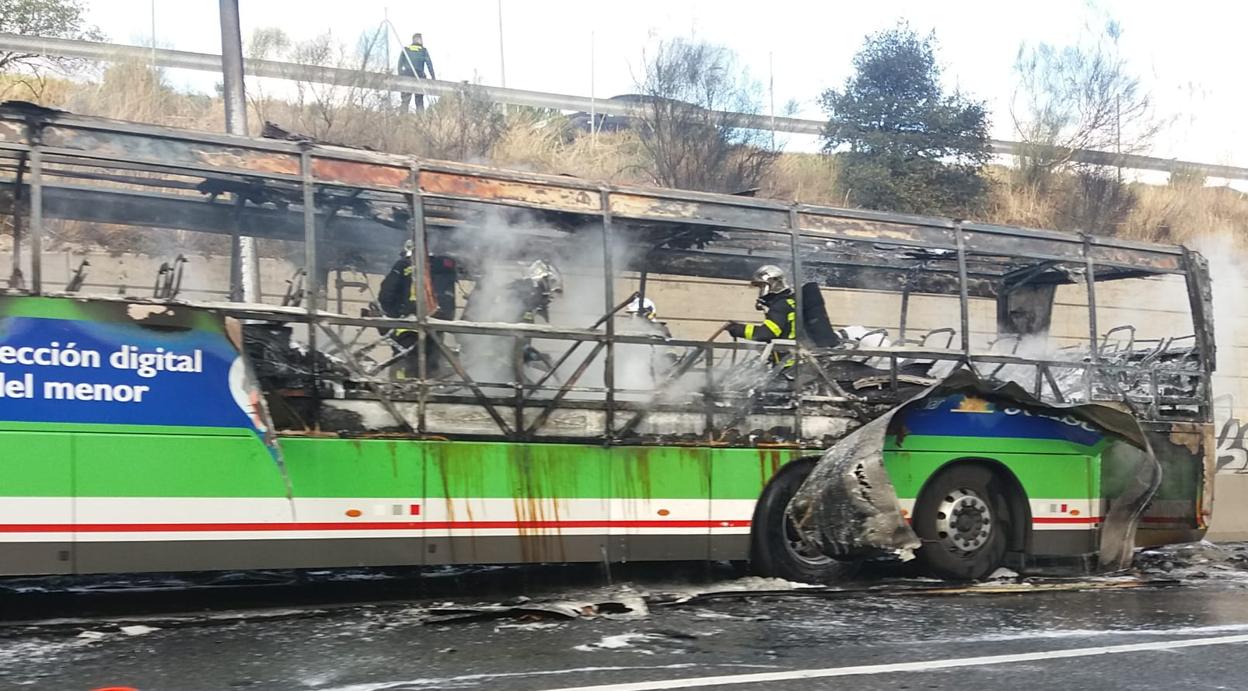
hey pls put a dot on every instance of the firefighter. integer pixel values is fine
(643, 313)
(539, 286)
(644, 317)
(641, 308)
(397, 299)
(522, 300)
(779, 306)
(413, 62)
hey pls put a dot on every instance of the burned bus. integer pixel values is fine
(222, 352)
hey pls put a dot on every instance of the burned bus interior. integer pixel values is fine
(518, 309)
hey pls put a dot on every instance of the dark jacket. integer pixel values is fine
(395, 296)
(420, 61)
(779, 320)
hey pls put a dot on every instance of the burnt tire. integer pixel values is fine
(775, 549)
(963, 518)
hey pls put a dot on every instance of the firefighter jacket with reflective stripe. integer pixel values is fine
(779, 320)
(419, 59)
(397, 296)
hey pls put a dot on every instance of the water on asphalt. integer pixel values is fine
(477, 632)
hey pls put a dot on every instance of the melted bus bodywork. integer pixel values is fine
(261, 435)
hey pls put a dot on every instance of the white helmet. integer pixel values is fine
(642, 307)
(545, 277)
(770, 280)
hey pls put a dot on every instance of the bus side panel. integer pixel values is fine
(661, 503)
(361, 500)
(501, 503)
(36, 502)
(151, 499)
(738, 477)
(1063, 490)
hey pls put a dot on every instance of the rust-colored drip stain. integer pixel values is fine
(359, 174)
(535, 500)
(769, 462)
(434, 453)
(637, 478)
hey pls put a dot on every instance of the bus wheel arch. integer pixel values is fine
(969, 514)
(774, 548)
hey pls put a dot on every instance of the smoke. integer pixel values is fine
(498, 254)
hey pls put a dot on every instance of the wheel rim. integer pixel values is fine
(964, 521)
(798, 548)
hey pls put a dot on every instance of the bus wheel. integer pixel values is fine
(775, 549)
(963, 519)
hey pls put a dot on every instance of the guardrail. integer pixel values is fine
(208, 62)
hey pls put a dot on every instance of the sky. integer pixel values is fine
(1188, 55)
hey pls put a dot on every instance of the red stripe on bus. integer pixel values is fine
(358, 525)
(439, 525)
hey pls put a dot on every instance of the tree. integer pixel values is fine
(47, 18)
(901, 142)
(1081, 96)
(689, 139)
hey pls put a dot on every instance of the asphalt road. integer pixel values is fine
(1189, 631)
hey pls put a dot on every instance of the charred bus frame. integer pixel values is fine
(355, 209)
(155, 172)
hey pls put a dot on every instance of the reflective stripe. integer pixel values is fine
(749, 331)
(772, 326)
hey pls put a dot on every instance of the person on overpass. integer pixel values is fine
(779, 306)
(413, 62)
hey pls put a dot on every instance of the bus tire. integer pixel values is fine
(775, 550)
(963, 518)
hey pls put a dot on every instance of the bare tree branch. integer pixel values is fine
(688, 144)
(1081, 96)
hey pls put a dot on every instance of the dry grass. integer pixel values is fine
(49, 91)
(1181, 213)
(467, 128)
(133, 91)
(807, 178)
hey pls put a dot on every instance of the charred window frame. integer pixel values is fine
(56, 139)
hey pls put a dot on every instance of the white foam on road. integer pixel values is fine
(923, 666)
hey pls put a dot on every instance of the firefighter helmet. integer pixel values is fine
(545, 277)
(770, 280)
(640, 307)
